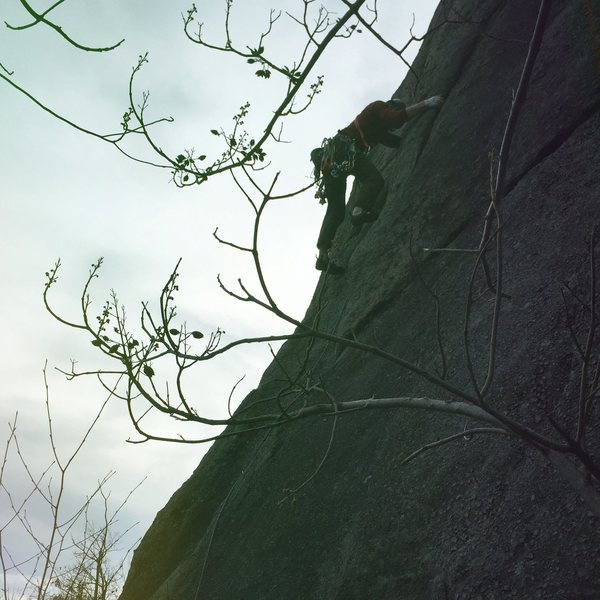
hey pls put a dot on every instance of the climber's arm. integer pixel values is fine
(420, 107)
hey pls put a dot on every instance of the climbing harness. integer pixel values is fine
(337, 156)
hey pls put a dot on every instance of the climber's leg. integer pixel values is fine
(335, 192)
(371, 183)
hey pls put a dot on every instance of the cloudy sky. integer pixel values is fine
(70, 196)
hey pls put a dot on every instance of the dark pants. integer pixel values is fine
(371, 183)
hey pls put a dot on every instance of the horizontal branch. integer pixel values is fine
(272, 420)
(452, 407)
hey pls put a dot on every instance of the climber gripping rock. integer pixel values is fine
(346, 154)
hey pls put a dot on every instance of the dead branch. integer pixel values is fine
(518, 99)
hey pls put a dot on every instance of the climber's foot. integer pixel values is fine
(362, 215)
(322, 262)
(325, 264)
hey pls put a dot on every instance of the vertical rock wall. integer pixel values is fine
(485, 517)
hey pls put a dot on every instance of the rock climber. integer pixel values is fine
(346, 154)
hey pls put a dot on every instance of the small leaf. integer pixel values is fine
(251, 61)
(180, 158)
(214, 132)
(148, 371)
(197, 335)
(174, 331)
(114, 348)
(202, 157)
(96, 343)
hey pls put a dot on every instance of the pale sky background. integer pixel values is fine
(69, 196)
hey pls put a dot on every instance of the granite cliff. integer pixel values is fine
(484, 517)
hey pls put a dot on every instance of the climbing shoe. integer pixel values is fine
(362, 215)
(335, 269)
(324, 264)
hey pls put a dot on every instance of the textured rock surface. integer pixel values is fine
(485, 518)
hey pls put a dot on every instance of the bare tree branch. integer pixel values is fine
(41, 18)
(452, 438)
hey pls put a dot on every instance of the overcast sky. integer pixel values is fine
(67, 195)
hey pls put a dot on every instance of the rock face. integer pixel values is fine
(484, 517)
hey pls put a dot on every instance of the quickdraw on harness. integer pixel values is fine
(334, 158)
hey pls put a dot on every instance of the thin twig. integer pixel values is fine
(452, 438)
(518, 100)
(40, 18)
